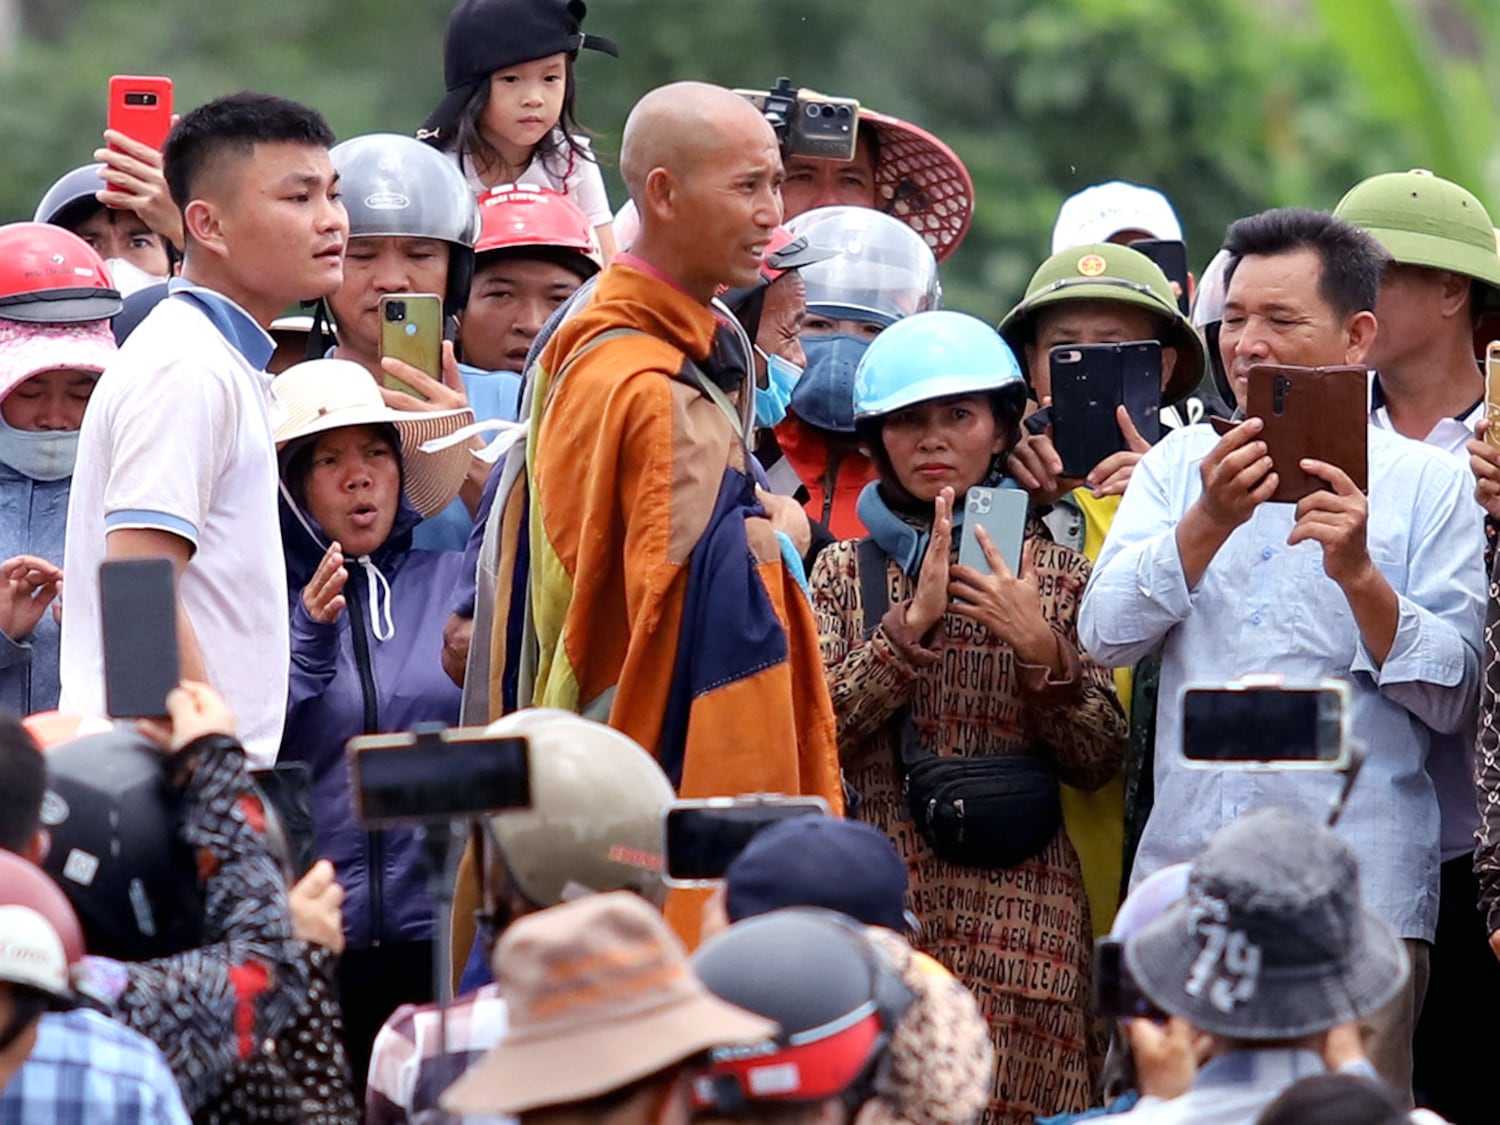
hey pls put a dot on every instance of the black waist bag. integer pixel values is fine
(990, 812)
(980, 812)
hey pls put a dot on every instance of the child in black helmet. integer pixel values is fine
(507, 116)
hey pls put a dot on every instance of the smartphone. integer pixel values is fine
(1171, 255)
(1262, 723)
(1089, 382)
(1002, 514)
(287, 788)
(411, 330)
(138, 602)
(433, 774)
(1116, 995)
(703, 836)
(1317, 412)
(1492, 392)
(141, 108)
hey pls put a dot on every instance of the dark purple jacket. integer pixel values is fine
(346, 681)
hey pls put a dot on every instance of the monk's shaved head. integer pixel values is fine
(677, 127)
(704, 169)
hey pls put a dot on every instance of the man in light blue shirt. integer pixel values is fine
(1387, 594)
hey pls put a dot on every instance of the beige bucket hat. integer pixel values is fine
(326, 394)
(600, 995)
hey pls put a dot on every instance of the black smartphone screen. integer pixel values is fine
(1089, 381)
(1262, 724)
(702, 841)
(138, 610)
(434, 778)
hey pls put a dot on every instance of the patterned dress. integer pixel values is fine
(1019, 937)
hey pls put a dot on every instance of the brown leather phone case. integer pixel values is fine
(1318, 412)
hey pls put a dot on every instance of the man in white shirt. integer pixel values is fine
(175, 457)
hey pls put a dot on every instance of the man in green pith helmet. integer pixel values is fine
(1444, 273)
(1099, 293)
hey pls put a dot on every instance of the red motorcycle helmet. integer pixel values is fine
(49, 275)
(41, 942)
(536, 219)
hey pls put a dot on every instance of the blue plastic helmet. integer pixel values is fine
(932, 355)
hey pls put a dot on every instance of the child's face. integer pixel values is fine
(525, 104)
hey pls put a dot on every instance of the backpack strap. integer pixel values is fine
(874, 586)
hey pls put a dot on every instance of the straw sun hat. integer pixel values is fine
(326, 394)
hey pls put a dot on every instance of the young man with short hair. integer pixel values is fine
(175, 457)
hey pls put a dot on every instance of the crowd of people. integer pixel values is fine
(693, 503)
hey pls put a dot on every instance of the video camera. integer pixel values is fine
(808, 123)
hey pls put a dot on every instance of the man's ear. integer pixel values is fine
(1359, 332)
(660, 194)
(1456, 294)
(202, 223)
(1168, 365)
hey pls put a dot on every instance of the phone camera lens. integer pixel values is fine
(395, 311)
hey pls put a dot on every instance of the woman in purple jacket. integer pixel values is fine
(367, 615)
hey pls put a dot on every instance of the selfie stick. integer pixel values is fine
(1351, 774)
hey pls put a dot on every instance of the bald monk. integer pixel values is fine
(660, 601)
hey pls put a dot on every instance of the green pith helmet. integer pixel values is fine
(1424, 220)
(597, 801)
(1105, 271)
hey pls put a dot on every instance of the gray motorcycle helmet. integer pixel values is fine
(396, 186)
(72, 198)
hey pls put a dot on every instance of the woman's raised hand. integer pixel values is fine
(323, 597)
(930, 602)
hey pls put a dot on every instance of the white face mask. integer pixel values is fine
(45, 455)
(130, 278)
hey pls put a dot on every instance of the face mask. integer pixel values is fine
(130, 278)
(44, 455)
(770, 400)
(825, 397)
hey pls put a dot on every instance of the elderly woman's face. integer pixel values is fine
(354, 487)
(942, 443)
(49, 400)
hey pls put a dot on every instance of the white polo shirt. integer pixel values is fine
(177, 437)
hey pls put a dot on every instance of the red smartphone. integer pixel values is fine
(141, 108)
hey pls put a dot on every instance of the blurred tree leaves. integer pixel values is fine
(1227, 105)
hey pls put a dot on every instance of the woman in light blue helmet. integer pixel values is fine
(962, 700)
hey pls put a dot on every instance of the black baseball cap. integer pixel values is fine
(488, 35)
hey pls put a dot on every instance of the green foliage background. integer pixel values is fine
(1227, 105)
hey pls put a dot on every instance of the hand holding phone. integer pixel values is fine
(1089, 383)
(1311, 413)
(411, 330)
(1002, 513)
(1492, 393)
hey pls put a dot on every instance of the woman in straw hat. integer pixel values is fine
(367, 614)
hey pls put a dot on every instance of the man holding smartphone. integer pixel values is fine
(1386, 592)
(1099, 293)
(175, 458)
